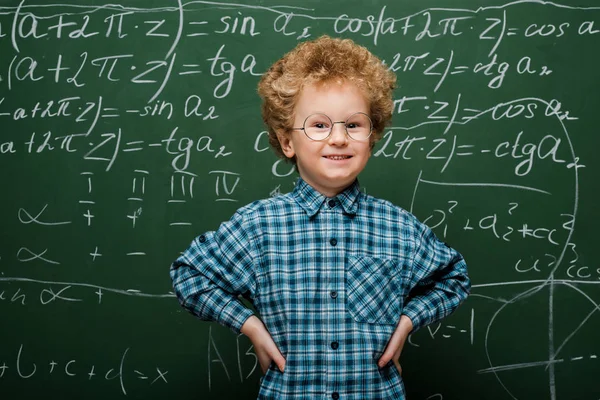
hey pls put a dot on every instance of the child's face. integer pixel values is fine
(330, 165)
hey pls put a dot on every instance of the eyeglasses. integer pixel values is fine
(319, 126)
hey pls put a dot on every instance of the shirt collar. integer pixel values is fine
(312, 201)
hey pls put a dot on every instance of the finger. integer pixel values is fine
(278, 358)
(398, 366)
(267, 352)
(264, 362)
(384, 359)
(390, 350)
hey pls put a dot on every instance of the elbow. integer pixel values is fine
(464, 287)
(463, 279)
(182, 286)
(191, 293)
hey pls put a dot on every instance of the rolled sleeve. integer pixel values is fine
(440, 282)
(214, 270)
(233, 315)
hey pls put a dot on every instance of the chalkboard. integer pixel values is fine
(129, 128)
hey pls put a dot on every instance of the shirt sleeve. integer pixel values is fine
(216, 268)
(439, 282)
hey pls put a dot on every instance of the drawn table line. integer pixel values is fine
(135, 292)
(534, 281)
(484, 184)
(128, 292)
(518, 366)
(121, 8)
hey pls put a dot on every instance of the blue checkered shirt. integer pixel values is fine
(330, 278)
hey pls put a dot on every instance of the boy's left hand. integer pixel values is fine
(396, 343)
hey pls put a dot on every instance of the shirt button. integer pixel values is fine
(335, 345)
(331, 203)
(202, 238)
(335, 395)
(333, 294)
(333, 242)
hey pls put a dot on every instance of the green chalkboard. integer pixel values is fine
(128, 128)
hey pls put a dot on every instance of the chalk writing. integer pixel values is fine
(128, 129)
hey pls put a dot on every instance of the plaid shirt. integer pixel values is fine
(330, 278)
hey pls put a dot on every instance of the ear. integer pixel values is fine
(287, 146)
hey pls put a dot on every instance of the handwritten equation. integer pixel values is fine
(127, 129)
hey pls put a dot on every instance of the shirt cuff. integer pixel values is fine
(418, 314)
(234, 314)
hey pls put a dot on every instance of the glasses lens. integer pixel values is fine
(317, 126)
(359, 126)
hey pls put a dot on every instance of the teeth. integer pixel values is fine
(338, 157)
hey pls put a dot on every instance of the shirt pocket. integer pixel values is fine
(376, 289)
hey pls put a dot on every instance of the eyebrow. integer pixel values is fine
(345, 118)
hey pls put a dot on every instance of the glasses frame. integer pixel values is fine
(336, 122)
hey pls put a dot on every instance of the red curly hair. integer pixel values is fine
(319, 61)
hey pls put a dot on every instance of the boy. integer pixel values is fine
(339, 278)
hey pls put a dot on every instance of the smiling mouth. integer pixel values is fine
(337, 157)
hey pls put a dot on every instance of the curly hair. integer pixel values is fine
(318, 61)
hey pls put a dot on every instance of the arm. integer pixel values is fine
(265, 348)
(439, 284)
(396, 343)
(439, 281)
(213, 271)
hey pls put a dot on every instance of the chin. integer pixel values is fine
(341, 181)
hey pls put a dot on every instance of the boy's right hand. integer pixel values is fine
(265, 348)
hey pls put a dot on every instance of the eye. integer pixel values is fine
(358, 122)
(318, 123)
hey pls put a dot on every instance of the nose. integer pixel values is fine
(338, 136)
